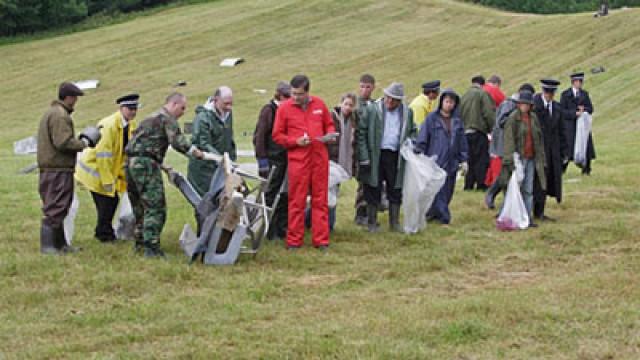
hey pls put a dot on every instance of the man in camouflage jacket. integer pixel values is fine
(146, 153)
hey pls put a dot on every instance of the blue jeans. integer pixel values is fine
(526, 188)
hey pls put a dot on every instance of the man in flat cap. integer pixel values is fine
(212, 132)
(57, 151)
(388, 123)
(478, 113)
(101, 169)
(423, 104)
(270, 155)
(574, 101)
(551, 121)
(146, 151)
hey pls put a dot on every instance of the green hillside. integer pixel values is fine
(563, 291)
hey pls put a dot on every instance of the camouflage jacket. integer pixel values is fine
(154, 135)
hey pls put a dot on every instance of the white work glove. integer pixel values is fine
(464, 168)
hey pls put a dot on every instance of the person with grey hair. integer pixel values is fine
(271, 155)
(212, 133)
(387, 124)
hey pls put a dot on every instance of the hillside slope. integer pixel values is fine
(565, 291)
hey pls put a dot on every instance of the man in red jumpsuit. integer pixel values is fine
(300, 124)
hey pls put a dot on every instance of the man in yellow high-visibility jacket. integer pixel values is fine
(426, 102)
(101, 170)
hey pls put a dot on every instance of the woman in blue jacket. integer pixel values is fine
(442, 135)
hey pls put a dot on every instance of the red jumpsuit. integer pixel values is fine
(308, 168)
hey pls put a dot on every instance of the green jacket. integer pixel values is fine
(369, 134)
(210, 134)
(57, 145)
(515, 133)
(477, 110)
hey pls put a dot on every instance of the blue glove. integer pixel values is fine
(263, 165)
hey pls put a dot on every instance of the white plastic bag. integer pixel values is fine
(126, 222)
(69, 220)
(513, 215)
(583, 129)
(423, 179)
(337, 175)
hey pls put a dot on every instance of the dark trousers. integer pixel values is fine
(361, 203)
(105, 208)
(279, 221)
(440, 208)
(387, 172)
(478, 161)
(56, 193)
(539, 198)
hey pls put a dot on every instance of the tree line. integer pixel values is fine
(553, 6)
(31, 16)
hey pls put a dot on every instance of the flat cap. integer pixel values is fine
(68, 89)
(129, 100)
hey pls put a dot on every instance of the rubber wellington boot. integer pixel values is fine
(47, 240)
(394, 217)
(372, 218)
(61, 242)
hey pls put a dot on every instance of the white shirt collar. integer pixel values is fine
(123, 121)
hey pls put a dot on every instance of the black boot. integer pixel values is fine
(372, 218)
(47, 240)
(153, 251)
(61, 242)
(394, 217)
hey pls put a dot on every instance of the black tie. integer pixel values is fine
(125, 136)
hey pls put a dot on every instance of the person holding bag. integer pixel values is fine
(523, 136)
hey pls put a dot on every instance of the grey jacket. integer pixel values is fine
(496, 148)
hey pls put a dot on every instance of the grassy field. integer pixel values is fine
(567, 290)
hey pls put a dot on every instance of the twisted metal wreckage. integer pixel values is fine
(232, 216)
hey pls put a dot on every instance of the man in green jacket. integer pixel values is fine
(523, 135)
(57, 151)
(387, 124)
(212, 133)
(478, 113)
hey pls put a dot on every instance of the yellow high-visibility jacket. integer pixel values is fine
(421, 107)
(101, 169)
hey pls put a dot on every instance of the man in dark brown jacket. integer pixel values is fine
(271, 155)
(57, 151)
